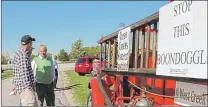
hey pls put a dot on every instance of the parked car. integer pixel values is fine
(84, 65)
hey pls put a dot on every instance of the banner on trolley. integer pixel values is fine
(189, 94)
(182, 40)
(123, 49)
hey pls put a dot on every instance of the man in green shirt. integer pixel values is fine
(43, 69)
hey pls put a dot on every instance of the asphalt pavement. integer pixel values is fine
(13, 100)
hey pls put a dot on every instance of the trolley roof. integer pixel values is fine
(152, 18)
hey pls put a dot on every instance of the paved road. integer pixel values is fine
(13, 100)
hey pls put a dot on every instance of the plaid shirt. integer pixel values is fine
(24, 77)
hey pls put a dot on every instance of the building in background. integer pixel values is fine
(8, 56)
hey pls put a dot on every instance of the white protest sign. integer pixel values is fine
(182, 40)
(185, 92)
(123, 49)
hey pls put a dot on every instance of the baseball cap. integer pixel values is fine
(26, 39)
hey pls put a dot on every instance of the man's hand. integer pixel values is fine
(14, 91)
(34, 88)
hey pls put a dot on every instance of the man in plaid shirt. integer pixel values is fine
(24, 78)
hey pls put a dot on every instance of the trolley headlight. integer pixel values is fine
(143, 102)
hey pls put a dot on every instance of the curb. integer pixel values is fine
(68, 93)
(65, 91)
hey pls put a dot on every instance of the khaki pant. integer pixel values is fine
(28, 97)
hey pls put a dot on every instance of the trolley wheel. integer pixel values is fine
(89, 99)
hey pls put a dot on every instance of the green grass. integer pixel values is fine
(80, 91)
(6, 75)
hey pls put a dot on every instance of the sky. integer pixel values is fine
(58, 24)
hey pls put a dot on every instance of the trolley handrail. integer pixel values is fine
(142, 22)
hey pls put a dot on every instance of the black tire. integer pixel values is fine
(89, 99)
(81, 74)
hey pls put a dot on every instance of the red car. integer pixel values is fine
(84, 65)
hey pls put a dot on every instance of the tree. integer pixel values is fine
(49, 54)
(33, 56)
(92, 51)
(63, 56)
(4, 60)
(69, 57)
(77, 50)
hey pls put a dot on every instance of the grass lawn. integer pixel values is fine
(80, 89)
(6, 75)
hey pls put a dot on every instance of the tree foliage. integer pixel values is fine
(33, 56)
(4, 60)
(92, 51)
(63, 56)
(78, 50)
